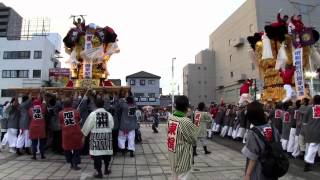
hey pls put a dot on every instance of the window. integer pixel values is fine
(152, 95)
(37, 55)
(199, 68)
(36, 74)
(23, 74)
(142, 82)
(205, 82)
(199, 82)
(230, 58)
(253, 67)
(16, 55)
(7, 93)
(205, 68)
(138, 95)
(231, 74)
(15, 73)
(132, 82)
(251, 30)
(229, 42)
(151, 82)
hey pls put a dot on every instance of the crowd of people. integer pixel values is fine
(98, 124)
(296, 123)
(272, 133)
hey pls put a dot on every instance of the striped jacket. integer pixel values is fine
(182, 133)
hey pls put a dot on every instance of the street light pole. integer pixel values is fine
(172, 93)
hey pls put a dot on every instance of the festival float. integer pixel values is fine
(284, 52)
(90, 48)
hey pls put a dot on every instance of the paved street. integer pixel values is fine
(150, 163)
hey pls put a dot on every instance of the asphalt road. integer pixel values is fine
(296, 165)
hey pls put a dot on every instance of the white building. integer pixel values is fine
(26, 63)
(145, 87)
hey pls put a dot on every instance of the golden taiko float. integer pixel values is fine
(283, 53)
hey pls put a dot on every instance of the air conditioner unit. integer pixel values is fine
(238, 42)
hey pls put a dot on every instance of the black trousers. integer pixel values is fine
(34, 146)
(98, 162)
(57, 142)
(73, 156)
(2, 135)
(115, 146)
(85, 148)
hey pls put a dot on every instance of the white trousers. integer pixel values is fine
(245, 97)
(311, 152)
(230, 131)
(224, 131)
(284, 144)
(182, 176)
(10, 138)
(302, 143)
(217, 127)
(123, 137)
(289, 93)
(291, 141)
(23, 139)
(209, 133)
(240, 133)
(296, 148)
(234, 133)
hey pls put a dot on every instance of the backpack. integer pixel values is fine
(273, 160)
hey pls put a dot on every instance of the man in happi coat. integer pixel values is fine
(312, 117)
(13, 113)
(71, 133)
(24, 122)
(304, 122)
(182, 134)
(275, 117)
(99, 124)
(201, 119)
(241, 130)
(219, 119)
(37, 127)
(293, 113)
(286, 125)
(128, 125)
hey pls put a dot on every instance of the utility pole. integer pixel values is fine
(172, 93)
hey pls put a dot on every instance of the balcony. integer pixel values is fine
(3, 26)
(4, 13)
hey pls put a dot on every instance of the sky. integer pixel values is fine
(150, 32)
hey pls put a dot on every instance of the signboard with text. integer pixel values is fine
(59, 76)
(299, 79)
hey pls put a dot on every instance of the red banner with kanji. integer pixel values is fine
(172, 135)
(277, 114)
(286, 117)
(197, 119)
(316, 112)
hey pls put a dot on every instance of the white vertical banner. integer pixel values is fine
(87, 65)
(87, 70)
(299, 79)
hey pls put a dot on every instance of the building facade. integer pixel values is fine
(26, 63)
(145, 87)
(198, 79)
(10, 23)
(230, 47)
